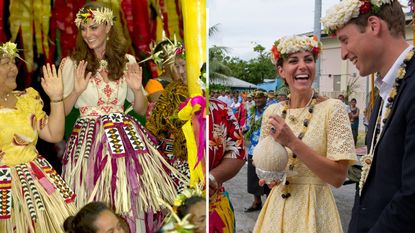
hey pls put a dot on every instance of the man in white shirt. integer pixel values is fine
(372, 37)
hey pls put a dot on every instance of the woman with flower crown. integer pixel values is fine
(110, 156)
(34, 198)
(316, 133)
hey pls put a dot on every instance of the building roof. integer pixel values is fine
(233, 83)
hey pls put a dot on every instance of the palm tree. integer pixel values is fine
(217, 68)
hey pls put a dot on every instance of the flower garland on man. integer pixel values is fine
(372, 36)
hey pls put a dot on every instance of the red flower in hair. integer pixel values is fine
(365, 7)
(315, 51)
(275, 52)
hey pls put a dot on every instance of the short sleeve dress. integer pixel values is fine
(311, 206)
(34, 198)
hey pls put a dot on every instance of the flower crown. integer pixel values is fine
(341, 13)
(99, 16)
(167, 55)
(288, 45)
(9, 49)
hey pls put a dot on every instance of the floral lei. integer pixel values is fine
(367, 159)
(286, 194)
(99, 16)
(253, 124)
(341, 13)
(288, 45)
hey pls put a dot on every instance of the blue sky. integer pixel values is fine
(243, 23)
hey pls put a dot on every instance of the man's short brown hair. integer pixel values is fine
(392, 14)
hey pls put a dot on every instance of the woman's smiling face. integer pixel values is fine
(298, 70)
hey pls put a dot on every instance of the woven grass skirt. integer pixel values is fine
(114, 159)
(33, 198)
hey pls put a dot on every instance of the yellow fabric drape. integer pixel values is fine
(41, 18)
(21, 17)
(194, 19)
(173, 19)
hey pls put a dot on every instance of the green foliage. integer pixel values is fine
(254, 71)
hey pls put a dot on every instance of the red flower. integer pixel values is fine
(365, 7)
(316, 51)
(275, 53)
(90, 14)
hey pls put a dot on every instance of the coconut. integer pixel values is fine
(270, 159)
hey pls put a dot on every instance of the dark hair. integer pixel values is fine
(354, 99)
(391, 13)
(83, 221)
(169, 66)
(115, 51)
(183, 210)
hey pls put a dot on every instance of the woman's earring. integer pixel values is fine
(108, 38)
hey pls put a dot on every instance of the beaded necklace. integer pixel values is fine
(286, 194)
(367, 159)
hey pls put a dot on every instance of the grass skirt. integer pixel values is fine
(34, 198)
(113, 159)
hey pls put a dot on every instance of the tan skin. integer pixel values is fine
(95, 36)
(108, 222)
(198, 216)
(299, 70)
(51, 83)
(367, 50)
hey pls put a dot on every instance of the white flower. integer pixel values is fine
(293, 44)
(341, 13)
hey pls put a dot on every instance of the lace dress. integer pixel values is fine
(311, 207)
(33, 197)
(111, 157)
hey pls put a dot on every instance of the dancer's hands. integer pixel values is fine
(81, 80)
(52, 82)
(134, 77)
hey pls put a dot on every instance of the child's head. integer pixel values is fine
(95, 217)
(196, 207)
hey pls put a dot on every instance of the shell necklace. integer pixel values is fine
(310, 106)
(6, 97)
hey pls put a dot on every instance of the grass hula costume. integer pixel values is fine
(34, 198)
(110, 156)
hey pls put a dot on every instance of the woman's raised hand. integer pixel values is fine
(280, 131)
(81, 81)
(134, 76)
(52, 82)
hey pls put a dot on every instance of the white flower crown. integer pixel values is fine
(341, 13)
(292, 44)
(99, 16)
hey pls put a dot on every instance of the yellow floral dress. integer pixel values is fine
(33, 197)
(311, 206)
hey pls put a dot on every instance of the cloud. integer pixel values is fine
(245, 22)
